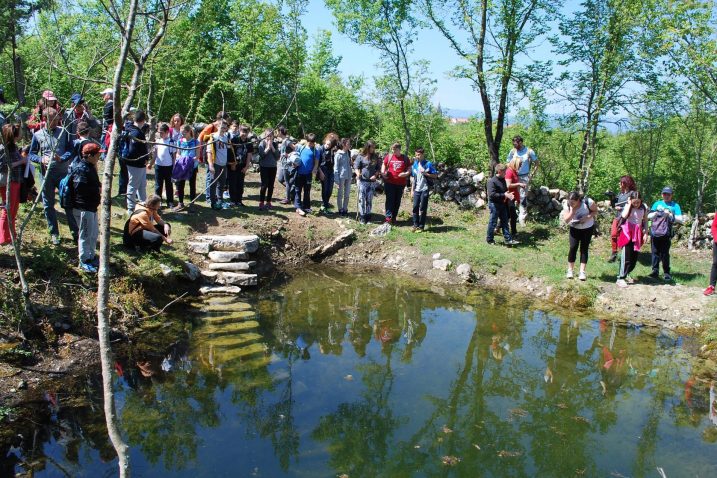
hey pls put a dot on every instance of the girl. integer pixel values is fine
(632, 235)
(269, 154)
(367, 172)
(514, 186)
(395, 171)
(163, 160)
(176, 125)
(713, 276)
(580, 216)
(186, 165)
(342, 176)
(326, 166)
(627, 185)
(12, 168)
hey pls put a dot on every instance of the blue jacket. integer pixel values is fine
(308, 156)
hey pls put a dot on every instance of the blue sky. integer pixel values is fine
(431, 45)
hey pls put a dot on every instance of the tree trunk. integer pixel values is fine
(18, 71)
(404, 122)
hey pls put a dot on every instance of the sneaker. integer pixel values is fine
(512, 242)
(709, 291)
(300, 212)
(362, 220)
(654, 274)
(225, 195)
(269, 205)
(490, 243)
(226, 205)
(414, 229)
(582, 276)
(261, 206)
(569, 274)
(170, 205)
(217, 206)
(388, 219)
(667, 277)
(629, 280)
(178, 207)
(55, 239)
(284, 201)
(621, 283)
(613, 257)
(89, 268)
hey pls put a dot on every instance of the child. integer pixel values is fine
(269, 154)
(217, 157)
(85, 194)
(423, 174)
(163, 159)
(632, 235)
(580, 216)
(342, 176)
(713, 276)
(367, 172)
(146, 227)
(186, 165)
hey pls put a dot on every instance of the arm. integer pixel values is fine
(34, 150)
(568, 214)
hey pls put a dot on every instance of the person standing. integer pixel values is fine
(52, 149)
(326, 165)
(186, 165)
(663, 214)
(108, 118)
(309, 157)
(269, 157)
(85, 192)
(633, 234)
(395, 170)
(498, 196)
(528, 166)
(136, 158)
(580, 217)
(342, 176)
(217, 157)
(283, 171)
(12, 169)
(243, 150)
(367, 173)
(36, 120)
(163, 162)
(423, 173)
(78, 112)
(205, 137)
(627, 185)
(512, 180)
(710, 290)
(2, 102)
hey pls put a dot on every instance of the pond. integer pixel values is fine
(367, 375)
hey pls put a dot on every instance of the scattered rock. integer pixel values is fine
(215, 289)
(209, 276)
(230, 266)
(465, 271)
(436, 256)
(191, 272)
(199, 247)
(339, 242)
(381, 230)
(226, 256)
(233, 278)
(442, 264)
(166, 270)
(248, 243)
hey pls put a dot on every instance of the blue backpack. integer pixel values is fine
(64, 191)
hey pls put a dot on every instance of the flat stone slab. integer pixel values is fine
(231, 266)
(199, 247)
(217, 289)
(234, 278)
(191, 272)
(442, 264)
(225, 256)
(232, 242)
(209, 276)
(339, 242)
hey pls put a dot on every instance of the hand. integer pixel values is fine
(167, 230)
(510, 196)
(168, 240)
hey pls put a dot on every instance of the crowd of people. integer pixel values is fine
(66, 154)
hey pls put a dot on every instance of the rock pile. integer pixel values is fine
(704, 237)
(466, 187)
(228, 267)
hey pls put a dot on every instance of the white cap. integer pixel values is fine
(107, 91)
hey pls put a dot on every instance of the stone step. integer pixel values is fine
(233, 317)
(233, 340)
(215, 289)
(229, 306)
(224, 256)
(230, 328)
(224, 355)
(234, 279)
(238, 243)
(232, 266)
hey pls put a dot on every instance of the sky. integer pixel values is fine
(451, 93)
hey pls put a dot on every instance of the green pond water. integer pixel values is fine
(367, 375)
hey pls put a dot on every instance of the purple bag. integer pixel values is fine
(183, 168)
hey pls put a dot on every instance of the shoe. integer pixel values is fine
(300, 212)
(582, 276)
(217, 207)
(613, 257)
(419, 230)
(388, 219)
(654, 274)
(621, 283)
(569, 274)
(362, 220)
(240, 204)
(490, 243)
(269, 205)
(225, 195)
(414, 229)
(309, 211)
(709, 290)
(629, 280)
(512, 242)
(89, 268)
(226, 205)
(284, 201)
(667, 277)
(178, 207)
(95, 262)
(170, 205)
(55, 239)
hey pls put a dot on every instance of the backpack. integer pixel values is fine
(126, 237)
(64, 190)
(124, 144)
(661, 225)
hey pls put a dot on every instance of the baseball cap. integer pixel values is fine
(667, 190)
(107, 91)
(49, 95)
(76, 99)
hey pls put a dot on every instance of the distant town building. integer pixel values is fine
(458, 120)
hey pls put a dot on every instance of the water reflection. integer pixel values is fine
(371, 376)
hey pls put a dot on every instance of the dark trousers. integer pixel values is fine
(149, 240)
(513, 218)
(393, 200)
(628, 260)
(217, 181)
(302, 191)
(580, 238)
(498, 213)
(123, 177)
(661, 253)
(420, 208)
(713, 274)
(327, 185)
(192, 187)
(163, 179)
(235, 180)
(268, 176)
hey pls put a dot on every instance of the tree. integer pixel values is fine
(389, 27)
(496, 33)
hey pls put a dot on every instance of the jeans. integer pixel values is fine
(163, 180)
(365, 198)
(216, 190)
(302, 191)
(498, 212)
(327, 185)
(192, 187)
(268, 176)
(52, 181)
(344, 193)
(512, 218)
(89, 231)
(420, 208)
(123, 177)
(235, 179)
(661, 253)
(393, 200)
(136, 187)
(289, 180)
(580, 238)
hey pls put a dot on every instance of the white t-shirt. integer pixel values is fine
(220, 149)
(583, 211)
(164, 152)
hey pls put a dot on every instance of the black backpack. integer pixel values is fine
(126, 237)
(661, 224)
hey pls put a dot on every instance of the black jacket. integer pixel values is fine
(497, 189)
(137, 155)
(84, 186)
